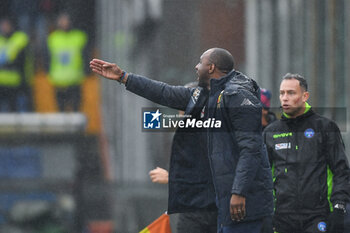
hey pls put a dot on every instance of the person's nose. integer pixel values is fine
(196, 67)
(284, 98)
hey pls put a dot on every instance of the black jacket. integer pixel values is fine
(190, 180)
(237, 156)
(303, 151)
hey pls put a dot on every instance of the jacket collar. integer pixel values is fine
(308, 112)
(197, 100)
(216, 84)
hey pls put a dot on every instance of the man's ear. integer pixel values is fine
(211, 68)
(306, 96)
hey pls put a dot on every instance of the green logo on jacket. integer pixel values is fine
(282, 135)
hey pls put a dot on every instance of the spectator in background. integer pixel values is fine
(35, 18)
(14, 89)
(24, 11)
(66, 48)
(267, 116)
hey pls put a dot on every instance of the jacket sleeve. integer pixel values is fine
(161, 93)
(244, 111)
(338, 163)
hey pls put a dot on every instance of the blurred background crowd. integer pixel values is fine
(28, 52)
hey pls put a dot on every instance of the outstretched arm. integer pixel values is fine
(108, 70)
(172, 96)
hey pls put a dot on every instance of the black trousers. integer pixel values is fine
(197, 222)
(300, 223)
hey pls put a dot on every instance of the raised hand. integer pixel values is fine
(106, 69)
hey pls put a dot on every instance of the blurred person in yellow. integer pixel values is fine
(14, 90)
(66, 59)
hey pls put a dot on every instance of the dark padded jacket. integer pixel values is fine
(303, 151)
(236, 151)
(190, 181)
(238, 159)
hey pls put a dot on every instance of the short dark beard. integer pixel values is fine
(203, 82)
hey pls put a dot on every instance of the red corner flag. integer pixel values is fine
(160, 225)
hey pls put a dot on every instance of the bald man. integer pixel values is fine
(239, 165)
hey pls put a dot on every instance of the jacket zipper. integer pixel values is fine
(296, 149)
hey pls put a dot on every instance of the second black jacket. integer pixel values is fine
(306, 153)
(190, 180)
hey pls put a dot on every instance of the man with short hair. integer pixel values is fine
(306, 152)
(238, 161)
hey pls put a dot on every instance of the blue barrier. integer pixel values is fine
(20, 162)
